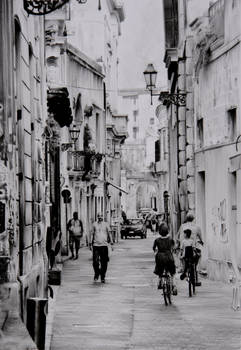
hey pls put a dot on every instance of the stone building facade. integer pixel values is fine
(202, 60)
(86, 65)
(217, 76)
(49, 85)
(23, 257)
(116, 136)
(162, 159)
(138, 158)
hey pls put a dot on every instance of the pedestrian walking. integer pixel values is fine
(100, 239)
(76, 232)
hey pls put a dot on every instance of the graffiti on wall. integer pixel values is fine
(219, 221)
(7, 209)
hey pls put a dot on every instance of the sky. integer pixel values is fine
(141, 42)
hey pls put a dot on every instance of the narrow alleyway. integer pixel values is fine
(128, 311)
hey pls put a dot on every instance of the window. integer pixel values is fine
(109, 146)
(216, 19)
(165, 143)
(135, 132)
(97, 128)
(152, 121)
(157, 151)
(200, 132)
(17, 64)
(78, 110)
(171, 23)
(232, 123)
(135, 114)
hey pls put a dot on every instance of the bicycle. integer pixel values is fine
(191, 270)
(166, 284)
(191, 278)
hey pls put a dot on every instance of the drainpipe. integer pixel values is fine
(182, 170)
(190, 161)
(105, 179)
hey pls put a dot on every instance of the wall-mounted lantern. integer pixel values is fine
(150, 75)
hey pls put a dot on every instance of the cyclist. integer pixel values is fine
(164, 257)
(196, 235)
(187, 252)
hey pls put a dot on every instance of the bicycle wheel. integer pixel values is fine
(169, 291)
(189, 283)
(193, 279)
(164, 289)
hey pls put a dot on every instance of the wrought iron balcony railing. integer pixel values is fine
(43, 7)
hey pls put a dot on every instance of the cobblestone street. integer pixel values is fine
(128, 311)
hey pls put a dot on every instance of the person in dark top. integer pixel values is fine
(124, 217)
(164, 257)
(75, 227)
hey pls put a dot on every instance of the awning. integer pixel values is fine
(117, 187)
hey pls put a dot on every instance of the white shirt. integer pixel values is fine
(101, 234)
(196, 232)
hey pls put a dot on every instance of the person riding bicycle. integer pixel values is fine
(196, 235)
(164, 257)
(187, 251)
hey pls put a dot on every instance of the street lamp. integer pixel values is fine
(74, 134)
(150, 75)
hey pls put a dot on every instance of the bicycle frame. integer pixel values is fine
(191, 277)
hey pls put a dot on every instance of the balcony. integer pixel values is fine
(81, 163)
(96, 165)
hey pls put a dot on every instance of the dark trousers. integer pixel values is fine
(74, 241)
(100, 261)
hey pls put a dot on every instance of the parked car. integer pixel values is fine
(133, 228)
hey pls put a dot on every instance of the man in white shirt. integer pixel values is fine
(99, 240)
(196, 231)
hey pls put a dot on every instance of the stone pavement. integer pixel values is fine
(128, 311)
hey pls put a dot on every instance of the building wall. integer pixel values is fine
(138, 156)
(162, 155)
(22, 161)
(103, 48)
(217, 94)
(86, 64)
(30, 98)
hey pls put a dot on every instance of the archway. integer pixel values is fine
(147, 196)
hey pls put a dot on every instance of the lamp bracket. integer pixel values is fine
(178, 99)
(77, 154)
(43, 7)
(66, 146)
